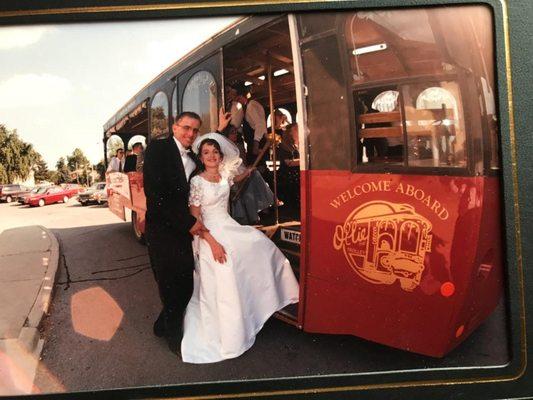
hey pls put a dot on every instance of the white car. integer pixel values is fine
(93, 194)
(101, 195)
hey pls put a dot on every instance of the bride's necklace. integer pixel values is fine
(215, 178)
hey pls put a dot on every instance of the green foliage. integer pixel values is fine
(3, 175)
(61, 174)
(77, 160)
(79, 166)
(17, 158)
(100, 168)
(113, 144)
(42, 174)
(159, 122)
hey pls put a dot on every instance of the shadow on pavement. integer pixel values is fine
(100, 328)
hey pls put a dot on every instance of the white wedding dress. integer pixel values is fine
(231, 301)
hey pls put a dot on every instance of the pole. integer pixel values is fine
(273, 137)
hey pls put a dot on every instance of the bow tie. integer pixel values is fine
(185, 152)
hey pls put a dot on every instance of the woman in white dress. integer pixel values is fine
(241, 278)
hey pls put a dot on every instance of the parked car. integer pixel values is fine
(9, 192)
(90, 195)
(23, 198)
(54, 194)
(101, 195)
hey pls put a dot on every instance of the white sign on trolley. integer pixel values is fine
(120, 184)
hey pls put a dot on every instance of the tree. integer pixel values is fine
(79, 164)
(3, 175)
(159, 122)
(41, 169)
(16, 156)
(61, 174)
(100, 168)
(77, 160)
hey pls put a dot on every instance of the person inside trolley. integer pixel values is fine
(116, 164)
(251, 114)
(252, 195)
(289, 169)
(132, 159)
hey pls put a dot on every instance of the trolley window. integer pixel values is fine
(114, 143)
(200, 96)
(406, 85)
(434, 125)
(159, 116)
(419, 124)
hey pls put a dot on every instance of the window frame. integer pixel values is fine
(212, 63)
(215, 116)
(174, 95)
(150, 121)
(467, 170)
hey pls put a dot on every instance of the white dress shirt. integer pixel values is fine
(237, 114)
(115, 164)
(255, 116)
(188, 163)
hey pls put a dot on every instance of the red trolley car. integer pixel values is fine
(398, 235)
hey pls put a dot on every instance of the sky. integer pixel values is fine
(60, 83)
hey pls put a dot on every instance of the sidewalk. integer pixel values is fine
(29, 258)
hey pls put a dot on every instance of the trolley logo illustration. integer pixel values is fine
(384, 242)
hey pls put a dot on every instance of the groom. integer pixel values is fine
(168, 164)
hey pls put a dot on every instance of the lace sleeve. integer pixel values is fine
(195, 194)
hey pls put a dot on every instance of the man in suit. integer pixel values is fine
(130, 164)
(168, 164)
(116, 164)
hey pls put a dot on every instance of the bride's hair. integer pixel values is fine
(212, 142)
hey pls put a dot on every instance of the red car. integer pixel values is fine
(9, 192)
(52, 195)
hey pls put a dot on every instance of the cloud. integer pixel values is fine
(31, 90)
(160, 54)
(11, 38)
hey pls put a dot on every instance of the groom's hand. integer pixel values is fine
(198, 228)
(219, 253)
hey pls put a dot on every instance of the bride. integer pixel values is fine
(241, 278)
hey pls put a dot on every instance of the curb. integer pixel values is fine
(29, 335)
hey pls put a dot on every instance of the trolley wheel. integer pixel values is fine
(41, 202)
(83, 203)
(65, 199)
(9, 199)
(139, 236)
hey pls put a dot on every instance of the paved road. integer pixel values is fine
(98, 334)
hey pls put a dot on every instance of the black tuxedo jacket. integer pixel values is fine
(130, 165)
(166, 189)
